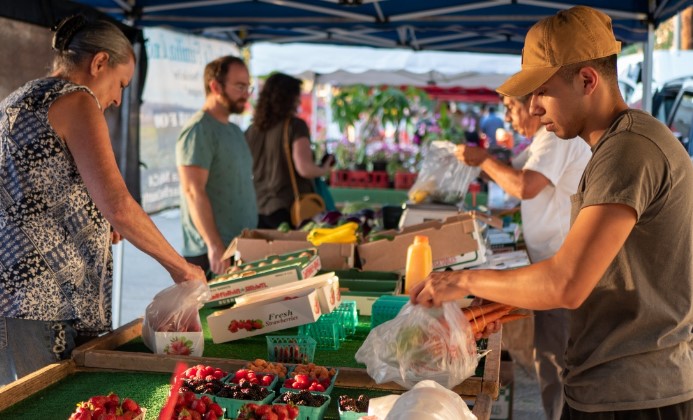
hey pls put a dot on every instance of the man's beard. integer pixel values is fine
(234, 107)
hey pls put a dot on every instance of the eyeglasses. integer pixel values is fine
(241, 88)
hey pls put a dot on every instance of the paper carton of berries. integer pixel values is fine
(310, 377)
(108, 406)
(263, 316)
(256, 276)
(311, 405)
(179, 343)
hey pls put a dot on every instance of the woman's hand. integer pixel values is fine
(188, 272)
(115, 237)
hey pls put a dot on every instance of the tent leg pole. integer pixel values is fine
(117, 299)
(647, 69)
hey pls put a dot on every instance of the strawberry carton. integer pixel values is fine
(326, 285)
(264, 315)
(261, 275)
(179, 343)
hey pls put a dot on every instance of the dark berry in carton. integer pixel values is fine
(303, 397)
(359, 405)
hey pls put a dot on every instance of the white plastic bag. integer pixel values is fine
(421, 343)
(428, 400)
(172, 320)
(442, 177)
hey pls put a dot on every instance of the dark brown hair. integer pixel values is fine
(218, 69)
(606, 66)
(277, 100)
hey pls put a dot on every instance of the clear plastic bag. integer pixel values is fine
(428, 400)
(442, 178)
(421, 343)
(175, 309)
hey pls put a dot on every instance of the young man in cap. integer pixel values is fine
(626, 266)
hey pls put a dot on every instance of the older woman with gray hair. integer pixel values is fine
(63, 201)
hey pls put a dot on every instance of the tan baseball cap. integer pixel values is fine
(571, 36)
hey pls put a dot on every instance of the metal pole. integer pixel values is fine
(116, 306)
(647, 70)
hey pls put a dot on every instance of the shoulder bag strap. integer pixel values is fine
(289, 159)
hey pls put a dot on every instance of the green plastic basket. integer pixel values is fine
(327, 390)
(349, 315)
(232, 405)
(350, 415)
(324, 332)
(308, 413)
(291, 348)
(335, 317)
(386, 308)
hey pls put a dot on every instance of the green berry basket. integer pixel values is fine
(291, 348)
(350, 415)
(228, 379)
(306, 412)
(327, 390)
(325, 332)
(349, 315)
(386, 308)
(232, 405)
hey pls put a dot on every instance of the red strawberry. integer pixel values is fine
(267, 380)
(130, 405)
(216, 409)
(292, 411)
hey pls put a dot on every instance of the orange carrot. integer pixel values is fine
(479, 323)
(472, 312)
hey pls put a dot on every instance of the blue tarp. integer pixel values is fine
(495, 26)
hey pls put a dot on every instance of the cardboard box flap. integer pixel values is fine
(282, 290)
(450, 238)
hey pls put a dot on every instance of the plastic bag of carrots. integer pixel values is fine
(421, 343)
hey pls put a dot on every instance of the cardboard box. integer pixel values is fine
(259, 243)
(227, 287)
(456, 243)
(326, 285)
(264, 316)
(179, 343)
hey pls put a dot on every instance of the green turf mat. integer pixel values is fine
(148, 389)
(59, 400)
(256, 347)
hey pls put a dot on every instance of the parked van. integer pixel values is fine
(673, 105)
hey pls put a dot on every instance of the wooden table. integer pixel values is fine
(101, 354)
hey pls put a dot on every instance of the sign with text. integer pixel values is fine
(174, 91)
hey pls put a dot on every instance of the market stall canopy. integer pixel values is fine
(342, 65)
(497, 26)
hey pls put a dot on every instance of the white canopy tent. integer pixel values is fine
(342, 65)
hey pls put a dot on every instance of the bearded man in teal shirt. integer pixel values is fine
(216, 168)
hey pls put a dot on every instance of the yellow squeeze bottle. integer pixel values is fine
(419, 262)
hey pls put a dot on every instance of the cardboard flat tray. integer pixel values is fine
(99, 355)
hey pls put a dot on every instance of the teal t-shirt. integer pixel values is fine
(222, 150)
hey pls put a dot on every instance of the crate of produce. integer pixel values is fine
(306, 403)
(291, 348)
(386, 308)
(405, 180)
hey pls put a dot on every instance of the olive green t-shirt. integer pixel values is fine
(631, 344)
(221, 149)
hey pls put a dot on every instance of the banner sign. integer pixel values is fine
(174, 90)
